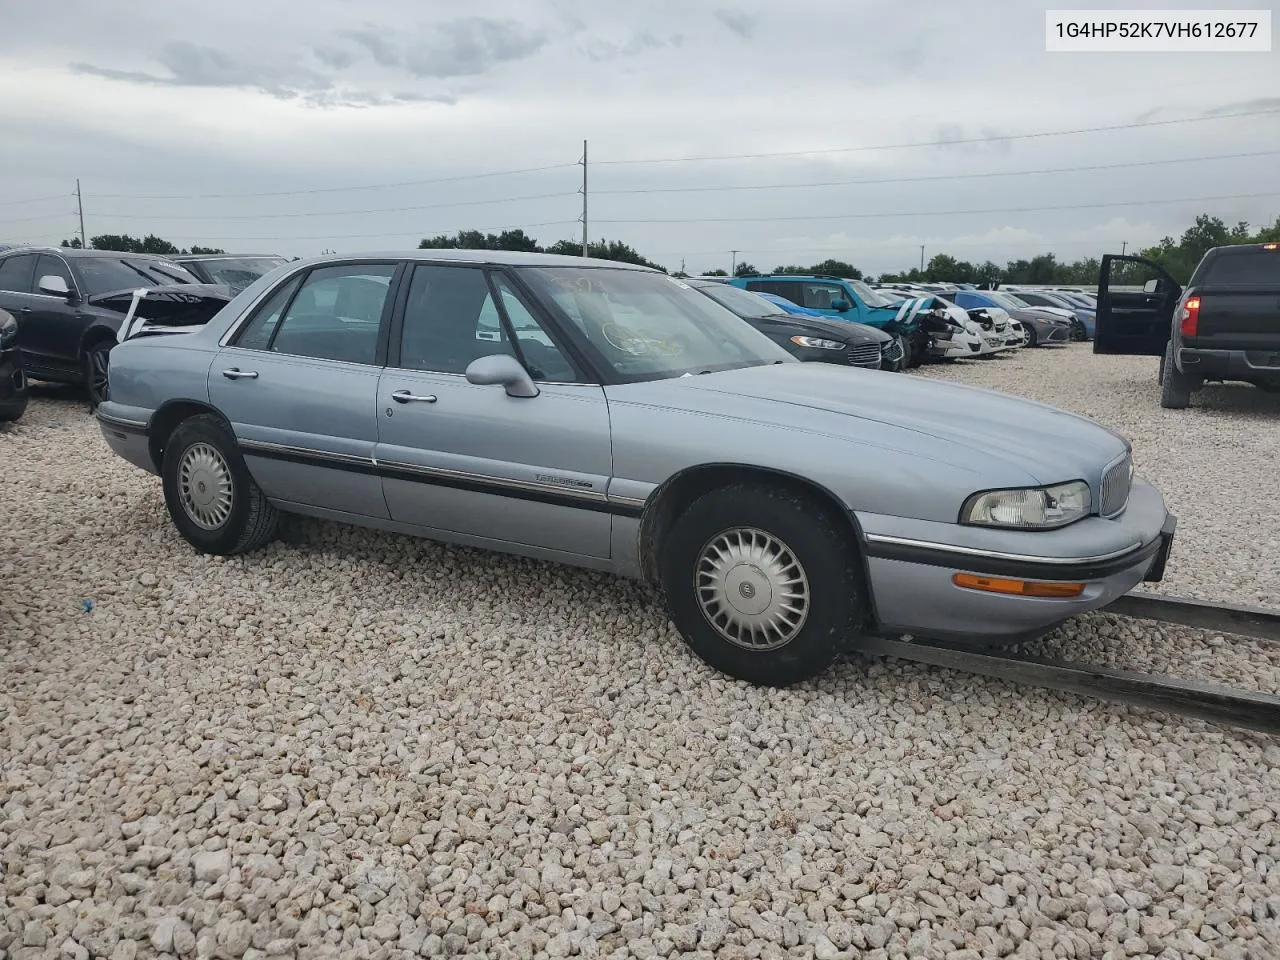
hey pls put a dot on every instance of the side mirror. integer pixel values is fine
(840, 305)
(54, 286)
(1151, 286)
(503, 370)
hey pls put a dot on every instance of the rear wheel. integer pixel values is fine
(1270, 386)
(97, 370)
(1175, 386)
(211, 498)
(763, 583)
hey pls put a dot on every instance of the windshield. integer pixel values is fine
(239, 272)
(868, 296)
(107, 274)
(742, 302)
(648, 326)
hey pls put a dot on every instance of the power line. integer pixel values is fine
(943, 143)
(367, 186)
(949, 213)
(421, 232)
(946, 176)
(47, 216)
(56, 196)
(332, 213)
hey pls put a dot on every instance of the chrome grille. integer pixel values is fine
(864, 355)
(1115, 487)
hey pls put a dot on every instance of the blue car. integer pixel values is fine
(792, 308)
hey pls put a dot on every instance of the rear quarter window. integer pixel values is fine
(1244, 267)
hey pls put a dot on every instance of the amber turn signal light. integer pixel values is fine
(1018, 588)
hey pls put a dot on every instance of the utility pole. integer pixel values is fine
(922, 258)
(84, 241)
(1123, 246)
(682, 264)
(584, 198)
(733, 261)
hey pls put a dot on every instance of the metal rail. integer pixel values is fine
(1191, 698)
(1243, 621)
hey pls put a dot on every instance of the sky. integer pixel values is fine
(260, 128)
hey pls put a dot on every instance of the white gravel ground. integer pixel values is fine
(361, 745)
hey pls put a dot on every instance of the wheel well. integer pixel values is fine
(94, 336)
(166, 420)
(670, 500)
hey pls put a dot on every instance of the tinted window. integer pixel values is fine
(53, 267)
(450, 319)
(1244, 267)
(16, 273)
(108, 274)
(787, 289)
(257, 333)
(336, 314)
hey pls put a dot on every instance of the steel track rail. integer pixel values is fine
(1190, 698)
(1243, 621)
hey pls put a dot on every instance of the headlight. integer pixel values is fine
(8, 330)
(817, 343)
(1034, 508)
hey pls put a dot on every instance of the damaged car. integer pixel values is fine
(70, 305)
(13, 383)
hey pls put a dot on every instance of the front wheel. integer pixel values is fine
(1078, 333)
(211, 498)
(1032, 338)
(763, 583)
(97, 370)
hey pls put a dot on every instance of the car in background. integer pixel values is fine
(853, 300)
(787, 511)
(812, 338)
(69, 305)
(236, 271)
(1085, 320)
(13, 382)
(1044, 325)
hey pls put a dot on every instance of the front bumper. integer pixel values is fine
(957, 346)
(1053, 332)
(911, 563)
(13, 386)
(1229, 364)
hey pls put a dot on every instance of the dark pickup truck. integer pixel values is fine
(1225, 325)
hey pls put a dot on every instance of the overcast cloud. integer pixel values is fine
(145, 102)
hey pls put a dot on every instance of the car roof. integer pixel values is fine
(185, 257)
(73, 252)
(510, 258)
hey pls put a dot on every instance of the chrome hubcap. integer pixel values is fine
(752, 589)
(204, 486)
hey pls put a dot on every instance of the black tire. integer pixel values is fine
(251, 521)
(97, 370)
(1175, 386)
(1160, 375)
(13, 408)
(1033, 338)
(1268, 386)
(1078, 333)
(918, 348)
(815, 536)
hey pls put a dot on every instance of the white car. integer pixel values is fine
(965, 339)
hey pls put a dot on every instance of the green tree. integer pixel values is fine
(206, 251)
(745, 269)
(715, 273)
(72, 244)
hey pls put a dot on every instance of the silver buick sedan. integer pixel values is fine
(606, 415)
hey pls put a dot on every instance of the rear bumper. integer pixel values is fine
(913, 592)
(1229, 364)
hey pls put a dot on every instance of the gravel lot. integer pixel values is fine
(361, 745)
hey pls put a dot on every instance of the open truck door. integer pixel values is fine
(1135, 323)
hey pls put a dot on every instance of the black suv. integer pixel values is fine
(68, 305)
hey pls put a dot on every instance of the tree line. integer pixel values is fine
(1178, 256)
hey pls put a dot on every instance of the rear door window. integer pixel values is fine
(17, 272)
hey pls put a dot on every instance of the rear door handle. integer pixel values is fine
(404, 396)
(235, 373)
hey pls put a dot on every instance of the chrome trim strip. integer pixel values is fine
(249, 446)
(594, 496)
(627, 501)
(997, 555)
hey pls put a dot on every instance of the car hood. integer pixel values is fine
(844, 331)
(948, 422)
(177, 304)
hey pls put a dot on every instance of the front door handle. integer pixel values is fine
(235, 373)
(404, 396)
